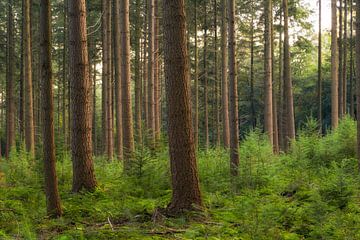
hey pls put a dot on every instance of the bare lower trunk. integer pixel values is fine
(334, 68)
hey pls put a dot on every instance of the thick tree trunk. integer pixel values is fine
(81, 144)
(29, 113)
(10, 104)
(51, 185)
(196, 101)
(118, 85)
(334, 68)
(185, 184)
(128, 133)
(234, 117)
(288, 93)
(344, 70)
(268, 114)
(224, 77)
(138, 96)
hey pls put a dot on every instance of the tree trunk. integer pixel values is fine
(196, 118)
(138, 103)
(334, 68)
(29, 113)
(234, 118)
(151, 97)
(288, 93)
(276, 147)
(344, 70)
(206, 109)
(268, 114)
(185, 184)
(51, 185)
(216, 80)
(128, 134)
(10, 104)
(357, 49)
(156, 72)
(22, 77)
(319, 83)
(351, 79)
(117, 62)
(252, 90)
(340, 68)
(224, 76)
(81, 144)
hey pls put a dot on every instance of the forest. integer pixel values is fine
(180, 119)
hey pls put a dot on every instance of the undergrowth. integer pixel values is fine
(310, 193)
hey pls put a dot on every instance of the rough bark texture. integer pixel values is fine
(268, 111)
(117, 67)
(10, 104)
(351, 78)
(334, 68)
(156, 72)
(206, 108)
(185, 184)
(128, 133)
(217, 83)
(51, 185)
(138, 102)
(81, 144)
(288, 93)
(224, 77)
(344, 70)
(196, 76)
(29, 113)
(234, 117)
(340, 56)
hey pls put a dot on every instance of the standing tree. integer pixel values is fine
(357, 49)
(150, 86)
(10, 105)
(128, 134)
(29, 113)
(268, 112)
(196, 101)
(344, 66)
(51, 185)
(118, 85)
(319, 82)
(234, 117)
(288, 93)
(185, 184)
(81, 144)
(334, 68)
(224, 77)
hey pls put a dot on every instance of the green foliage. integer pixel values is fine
(310, 193)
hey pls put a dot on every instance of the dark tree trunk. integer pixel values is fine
(51, 185)
(185, 184)
(81, 144)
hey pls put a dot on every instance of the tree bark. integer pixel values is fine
(268, 114)
(224, 77)
(151, 97)
(128, 133)
(206, 109)
(10, 104)
(351, 79)
(51, 185)
(234, 117)
(196, 101)
(185, 184)
(29, 110)
(288, 93)
(334, 68)
(319, 83)
(81, 144)
(344, 70)
(357, 49)
(340, 56)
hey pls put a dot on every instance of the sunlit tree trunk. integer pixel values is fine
(334, 68)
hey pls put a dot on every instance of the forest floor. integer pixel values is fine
(313, 192)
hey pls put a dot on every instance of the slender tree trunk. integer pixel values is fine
(351, 79)
(10, 104)
(268, 114)
(319, 83)
(344, 70)
(340, 68)
(64, 76)
(128, 133)
(138, 104)
(22, 77)
(81, 144)
(117, 62)
(151, 97)
(217, 82)
(276, 147)
(185, 184)
(156, 72)
(94, 122)
(280, 87)
(334, 68)
(252, 90)
(224, 76)
(234, 118)
(145, 69)
(51, 185)
(288, 93)
(206, 109)
(357, 48)
(29, 113)
(109, 99)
